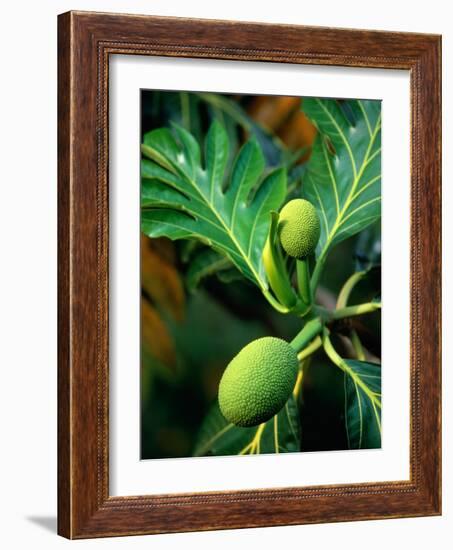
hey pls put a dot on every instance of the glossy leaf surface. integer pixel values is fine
(362, 383)
(183, 198)
(280, 434)
(343, 176)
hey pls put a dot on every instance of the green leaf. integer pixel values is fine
(367, 250)
(181, 199)
(362, 385)
(273, 148)
(281, 434)
(164, 108)
(205, 263)
(228, 276)
(343, 176)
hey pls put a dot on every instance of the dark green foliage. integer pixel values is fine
(212, 180)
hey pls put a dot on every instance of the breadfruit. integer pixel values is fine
(258, 381)
(299, 228)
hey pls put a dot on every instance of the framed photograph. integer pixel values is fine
(249, 275)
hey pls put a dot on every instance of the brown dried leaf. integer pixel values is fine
(155, 337)
(283, 116)
(297, 133)
(163, 248)
(160, 278)
(272, 111)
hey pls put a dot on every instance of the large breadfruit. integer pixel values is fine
(258, 381)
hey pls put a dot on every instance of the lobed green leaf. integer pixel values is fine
(362, 385)
(218, 437)
(343, 176)
(182, 199)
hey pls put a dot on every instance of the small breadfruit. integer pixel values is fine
(299, 228)
(258, 381)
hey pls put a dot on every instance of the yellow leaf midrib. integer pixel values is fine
(351, 194)
(226, 229)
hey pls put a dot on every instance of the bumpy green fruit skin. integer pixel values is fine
(299, 228)
(258, 381)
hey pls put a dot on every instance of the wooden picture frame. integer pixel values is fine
(85, 41)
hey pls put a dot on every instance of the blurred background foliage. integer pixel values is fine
(191, 329)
